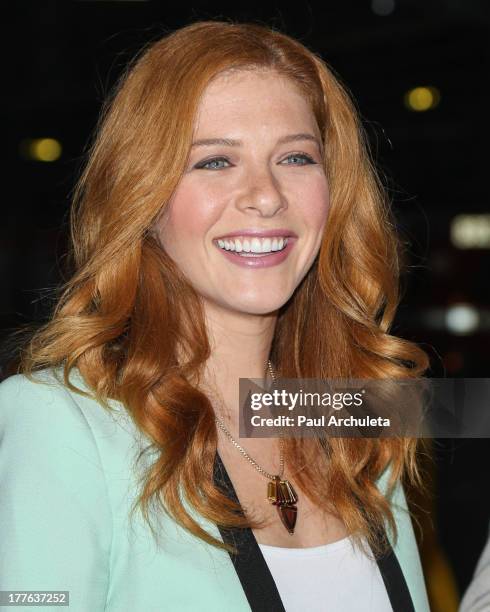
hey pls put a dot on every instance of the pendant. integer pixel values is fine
(282, 495)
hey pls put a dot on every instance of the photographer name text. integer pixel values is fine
(321, 421)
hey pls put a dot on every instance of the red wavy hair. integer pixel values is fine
(127, 309)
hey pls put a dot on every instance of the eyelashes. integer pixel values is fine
(308, 158)
(203, 165)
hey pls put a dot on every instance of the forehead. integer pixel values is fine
(246, 97)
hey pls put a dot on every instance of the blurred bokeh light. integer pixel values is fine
(41, 149)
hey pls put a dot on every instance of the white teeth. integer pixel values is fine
(253, 245)
(256, 246)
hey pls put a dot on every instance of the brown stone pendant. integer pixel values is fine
(282, 495)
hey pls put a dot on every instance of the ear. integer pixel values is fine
(158, 225)
(151, 235)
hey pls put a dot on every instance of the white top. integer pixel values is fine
(336, 576)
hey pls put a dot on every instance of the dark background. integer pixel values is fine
(62, 58)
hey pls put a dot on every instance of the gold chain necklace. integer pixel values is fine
(280, 492)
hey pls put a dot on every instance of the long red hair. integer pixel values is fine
(127, 309)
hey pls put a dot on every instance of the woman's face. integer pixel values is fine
(254, 178)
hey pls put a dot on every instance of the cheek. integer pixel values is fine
(189, 215)
(315, 204)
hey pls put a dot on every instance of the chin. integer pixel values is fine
(259, 310)
(250, 300)
(258, 305)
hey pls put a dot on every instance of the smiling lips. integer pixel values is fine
(254, 251)
(248, 245)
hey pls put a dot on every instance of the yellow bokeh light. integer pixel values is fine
(44, 149)
(422, 98)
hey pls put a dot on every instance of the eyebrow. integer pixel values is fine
(229, 142)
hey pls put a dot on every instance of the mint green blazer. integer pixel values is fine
(67, 482)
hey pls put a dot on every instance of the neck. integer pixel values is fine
(240, 347)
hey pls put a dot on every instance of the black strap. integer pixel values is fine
(250, 565)
(395, 583)
(256, 578)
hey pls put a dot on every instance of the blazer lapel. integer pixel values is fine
(256, 578)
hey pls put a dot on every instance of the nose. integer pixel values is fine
(262, 193)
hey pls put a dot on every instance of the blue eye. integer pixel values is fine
(211, 164)
(206, 165)
(304, 156)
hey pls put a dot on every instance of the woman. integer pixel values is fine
(228, 224)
